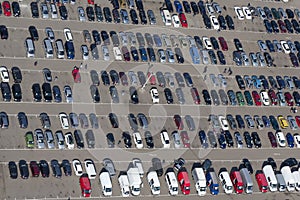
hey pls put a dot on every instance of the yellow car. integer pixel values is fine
(283, 122)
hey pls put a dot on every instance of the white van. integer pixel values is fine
(226, 181)
(296, 175)
(154, 183)
(166, 17)
(124, 184)
(270, 176)
(60, 53)
(200, 180)
(30, 49)
(171, 181)
(288, 178)
(105, 182)
(48, 48)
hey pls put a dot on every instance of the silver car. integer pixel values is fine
(170, 55)
(133, 78)
(83, 121)
(49, 139)
(262, 45)
(292, 122)
(50, 34)
(277, 45)
(124, 16)
(179, 79)
(190, 122)
(81, 14)
(245, 59)
(44, 11)
(114, 94)
(180, 95)
(68, 94)
(289, 83)
(123, 38)
(161, 79)
(39, 138)
(132, 39)
(109, 166)
(214, 80)
(105, 53)
(205, 57)
(222, 80)
(253, 59)
(261, 59)
(170, 79)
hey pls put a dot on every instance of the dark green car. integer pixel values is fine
(29, 139)
(248, 98)
(240, 98)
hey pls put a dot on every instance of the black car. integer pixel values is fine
(268, 25)
(63, 12)
(212, 56)
(240, 121)
(201, 7)
(289, 162)
(56, 168)
(290, 13)
(151, 54)
(179, 55)
(3, 32)
(221, 57)
(229, 22)
(139, 5)
(280, 82)
(133, 95)
(264, 82)
(110, 140)
(188, 79)
(186, 6)
(132, 122)
(96, 37)
(272, 162)
(79, 139)
(6, 92)
(231, 121)
(98, 13)
(44, 168)
(127, 139)
(289, 26)
(143, 17)
(268, 59)
(114, 77)
(238, 44)
(237, 58)
(107, 14)
(47, 92)
(212, 139)
(194, 8)
(16, 9)
(240, 82)
(168, 95)
(222, 22)
(149, 140)
(248, 165)
(248, 139)
(105, 78)
(273, 82)
(113, 120)
(33, 33)
(17, 92)
(56, 94)
(256, 139)
(95, 93)
(34, 9)
(214, 43)
(215, 97)
(114, 38)
(133, 16)
(115, 4)
(105, 37)
(169, 5)
(228, 138)
(116, 16)
(199, 42)
(270, 46)
(13, 171)
(90, 13)
(206, 97)
(222, 141)
(23, 167)
(65, 164)
(296, 25)
(134, 53)
(36, 91)
(206, 21)
(275, 26)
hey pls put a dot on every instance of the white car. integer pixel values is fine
(286, 48)
(137, 140)
(176, 139)
(172, 183)
(63, 118)
(247, 12)
(69, 140)
(214, 22)
(117, 53)
(280, 139)
(239, 13)
(77, 167)
(175, 21)
(4, 74)
(85, 52)
(68, 34)
(90, 168)
(207, 42)
(297, 140)
(224, 123)
(154, 95)
(68, 94)
(165, 139)
(105, 53)
(265, 98)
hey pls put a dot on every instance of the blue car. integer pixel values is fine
(143, 54)
(290, 140)
(256, 82)
(222, 141)
(178, 6)
(203, 139)
(157, 40)
(266, 121)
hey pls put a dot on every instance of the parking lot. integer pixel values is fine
(160, 116)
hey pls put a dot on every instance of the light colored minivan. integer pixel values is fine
(48, 48)
(60, 53)
(30, 49)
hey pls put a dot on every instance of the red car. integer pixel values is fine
(289, 99)
(185, 139)
(183, 20)
(126, 54)
(152, 79)
(6, 8)
(297, 118)
(92, 2)
(178, 122)
(273, 97)
(272, 139)
(76, 75)
(223, 44)
(282, 26)
(256, 98)
(195, 95)
(35, 170)
(124, 79)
